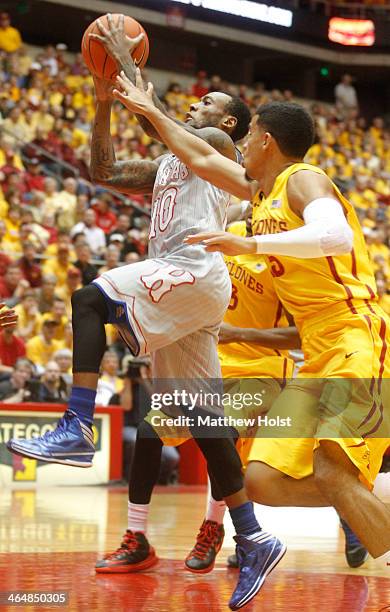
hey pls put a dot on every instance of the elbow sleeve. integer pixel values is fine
(337, 240)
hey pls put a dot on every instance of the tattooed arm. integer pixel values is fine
(136, 176)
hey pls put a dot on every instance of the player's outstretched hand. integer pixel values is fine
(229, 244)
(7, 317)
(114, 39)
(134, 97)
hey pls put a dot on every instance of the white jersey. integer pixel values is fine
(181, 293)
(184, 204)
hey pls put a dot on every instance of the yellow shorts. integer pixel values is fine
(341, 394)
(294, 456)
(269, 366)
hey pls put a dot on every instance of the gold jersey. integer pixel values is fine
(307, 286)
(254, 304)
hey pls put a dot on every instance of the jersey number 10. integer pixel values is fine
(163, 211)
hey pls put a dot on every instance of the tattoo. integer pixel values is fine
(104, 155)
(131, 176)
(216, 138)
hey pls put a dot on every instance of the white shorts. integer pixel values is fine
(156, 302)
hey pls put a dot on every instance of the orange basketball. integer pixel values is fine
(95, 56)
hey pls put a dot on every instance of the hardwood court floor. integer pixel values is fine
(50, 539)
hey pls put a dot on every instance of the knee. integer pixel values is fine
(89, 299)
(80, 298)
(261, 481)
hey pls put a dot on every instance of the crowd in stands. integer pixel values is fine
(58, 231)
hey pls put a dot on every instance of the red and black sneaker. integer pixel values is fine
(208, 544)
(134, 555)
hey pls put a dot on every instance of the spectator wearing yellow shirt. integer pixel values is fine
(3, 244)
(3, 207)
(378, 246)
(41, 348)
(15, 92)
(23, 62)
(68, 337)
(63, 240)
(65, 205)
(83, 98)
(44, 121)
(51, 195)
(36, 90)
(362, 197)
(58, 314)
(29, 317)
(10, 38)
(377, 128)
(73, 282)
(14, 126)
(8, 155)
(12, 223)
(370, 219)
(60, 265)
(29, 125)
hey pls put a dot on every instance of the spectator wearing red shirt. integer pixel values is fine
(200, 89)
(13, 285)
(30, 269)
(67, 153)
(12, 179)
(11, 348)
(33, 178)
(105, 218)
(42, 140)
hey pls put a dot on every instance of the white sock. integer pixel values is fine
(137, 517)
(215, 510)
(384, 558)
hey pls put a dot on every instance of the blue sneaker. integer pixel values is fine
(71, 443)
(355, 553)
(256, 560)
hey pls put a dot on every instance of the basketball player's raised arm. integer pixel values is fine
(193, 150)
(136, 176)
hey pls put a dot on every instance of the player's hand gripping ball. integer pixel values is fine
(110, 36)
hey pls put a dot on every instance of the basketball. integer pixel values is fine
(95, 56)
